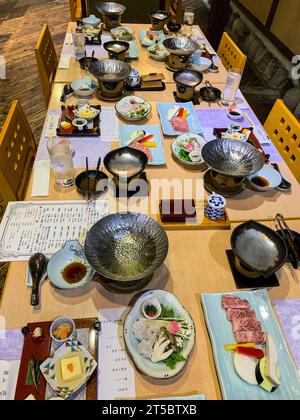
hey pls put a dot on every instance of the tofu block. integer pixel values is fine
(71, 368)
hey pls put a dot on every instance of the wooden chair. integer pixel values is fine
(75, 10)
(283, 129)
(47, 61)
(230, 54)
(17, 151)
(175, 8)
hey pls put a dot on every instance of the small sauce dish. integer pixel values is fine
(79, 123)
(151, 309)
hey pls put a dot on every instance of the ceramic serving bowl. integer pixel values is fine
(145, 365)
(79, 123)
(70, 253)
(186, 82)
(92, 20)
(116, 49)
(125, 162)
(232, 157)
(158, 19)
(111, 13)
(85, 62)
(123, 33)
(110, 75)
(266, 179)
(126, 247)
(200, 63)
(258, 248)
(87, 112)
(60, 321)
(101, 182)
(84, 87)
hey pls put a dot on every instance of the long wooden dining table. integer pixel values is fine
(196, 262)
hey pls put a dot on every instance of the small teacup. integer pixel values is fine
(215, 207)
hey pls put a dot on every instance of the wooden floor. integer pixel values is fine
(20, 26)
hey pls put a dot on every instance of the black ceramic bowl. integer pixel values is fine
(101, 182)
(86, 62)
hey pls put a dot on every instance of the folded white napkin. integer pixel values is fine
(41, 179)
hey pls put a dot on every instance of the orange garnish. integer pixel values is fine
(70, 367)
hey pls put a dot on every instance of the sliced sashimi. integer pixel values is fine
(180, 124)
(246, 324)
(256, 337)
(240, 313)
(138, 146)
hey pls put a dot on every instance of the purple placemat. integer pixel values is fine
(217, 118)
(91, 147)
(289, 315)
(11, 344)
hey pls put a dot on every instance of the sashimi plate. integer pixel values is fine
(220, 331)
(158, 370)
(146, 42)
(192, 119)
(157, 153)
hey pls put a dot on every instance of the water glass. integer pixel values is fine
(60, 153)
(188, 20)
(232, 85)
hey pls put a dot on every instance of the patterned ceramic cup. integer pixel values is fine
(215, 207)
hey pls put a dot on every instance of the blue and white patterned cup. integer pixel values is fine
(215, 207)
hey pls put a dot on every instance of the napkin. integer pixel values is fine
(64, 62)
(41, 179)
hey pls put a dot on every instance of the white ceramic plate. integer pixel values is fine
(146, 366)
(270, 174)
(124, 104)
(185, 137)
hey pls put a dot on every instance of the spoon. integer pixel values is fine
(37, 266)
(285, 185)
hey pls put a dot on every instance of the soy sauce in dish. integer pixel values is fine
(74, 272)
(260, 181)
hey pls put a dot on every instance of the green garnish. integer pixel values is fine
(173, 359)
(184, 154)
(151, 310)
(166, 312)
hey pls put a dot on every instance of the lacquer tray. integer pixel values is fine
(42, 351)
(201, 222)
(74, 132)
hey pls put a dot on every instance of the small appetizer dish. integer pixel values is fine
(123, 33)
(158, 52)
(133, 108)
(235, 115)
(69, 369)
(187, 149)
(61, 330)
(38, 335)
(87, 112)
(177, 116)
(69, 267)
(151, 309)
(84, 87)
(79, 123)
(266, 179)
(159, 346)
(200, 63)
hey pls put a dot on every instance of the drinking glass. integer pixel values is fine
(60, 153)
(188, 20)
(232, 84)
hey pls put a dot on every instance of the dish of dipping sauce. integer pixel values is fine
(74, 272)
(260, 181)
